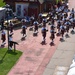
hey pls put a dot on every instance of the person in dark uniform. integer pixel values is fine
(24, 30)
(52, 31)
(3, 37)
(2, 23)
(11, 27)
(23, 20)
(72, 13)
(65, 15)
(62, 30)
(73, 24)
(50, 15)
(10, 41)
(31, 23)
(58, 26)
(40, 18)
(66, 10)
(72, 20)
(44, 22)
(44, 32)
(67, 24)
(32, 20)
(35, 26)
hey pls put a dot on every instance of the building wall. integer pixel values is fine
(24, 6)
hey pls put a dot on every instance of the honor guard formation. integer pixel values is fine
(61, 20)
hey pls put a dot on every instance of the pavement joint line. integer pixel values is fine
(50, 68)
(65, 50)
(70, 42)
(42, 61)
(66, 41)
(68, 50)
(57, 58)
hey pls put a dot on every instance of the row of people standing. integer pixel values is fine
(3, 34)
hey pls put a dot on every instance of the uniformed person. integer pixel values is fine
(58, 26)
(11, 27)
(62, 30)
(10, 41)
(44, 21)
(35, 26)
(3, 37)
(52, 31)
(40, 18)
(24, 30)
(67, 24)
(44, 31)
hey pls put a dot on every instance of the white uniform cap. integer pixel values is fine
(44, 20)
(35, 23)
(40, 14)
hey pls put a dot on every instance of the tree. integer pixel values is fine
(2, 3)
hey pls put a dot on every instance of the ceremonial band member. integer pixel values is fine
(23, 20)
(50, 15)
(62, 30)
(2, 23)
(24, 30)
(44, 22)
(11, 27)
(32, 20)
(31, 23)
(10, 41)
(44, 33)
(73, 24)
(52, 31)
(72, 13)
(58, 26)
(3, 37)
(35, 26)
(40, 18)
(67, 24)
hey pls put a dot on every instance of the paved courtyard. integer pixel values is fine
(35, 55)
(38, 59)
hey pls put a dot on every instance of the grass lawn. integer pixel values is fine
(8, 60)
(2, 3)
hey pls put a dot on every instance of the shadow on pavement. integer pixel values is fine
(67, 36)
(62, 40)
(72, 32)
(52, 44)
(43, 43)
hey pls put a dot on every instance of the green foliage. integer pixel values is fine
(2, 3)
(8, 60)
